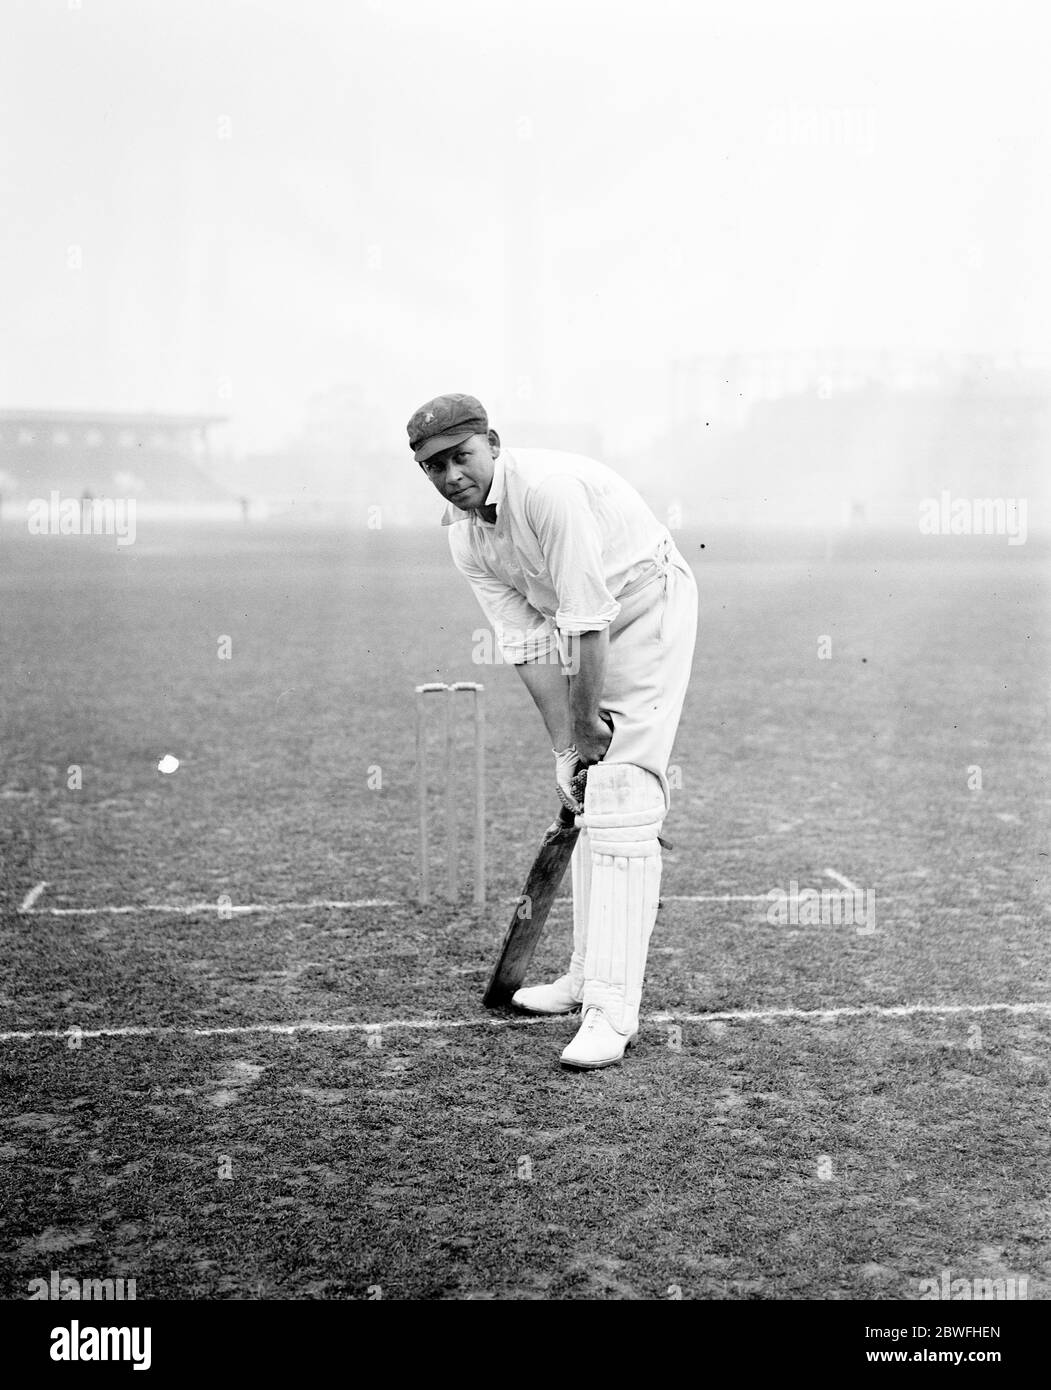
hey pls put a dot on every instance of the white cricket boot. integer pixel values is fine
(624, 809)
(556, 998)
(565, 994)
(597, 1043)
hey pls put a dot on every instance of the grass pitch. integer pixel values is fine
(406, 1144)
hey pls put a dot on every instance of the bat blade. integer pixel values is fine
(531, 911)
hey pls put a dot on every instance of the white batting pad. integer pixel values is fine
(623, 811)
(580, 869)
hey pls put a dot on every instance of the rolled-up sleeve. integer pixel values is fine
(522, 634)
(562, 519)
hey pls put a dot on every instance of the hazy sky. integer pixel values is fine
(214, 205)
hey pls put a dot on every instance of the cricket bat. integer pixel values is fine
(531, 910)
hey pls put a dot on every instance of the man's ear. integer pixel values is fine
(494, 443)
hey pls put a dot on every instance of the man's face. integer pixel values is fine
(464, 474)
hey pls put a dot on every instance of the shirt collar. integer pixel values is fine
(496, 489)
(494, 497)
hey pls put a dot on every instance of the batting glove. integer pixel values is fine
(567, 763)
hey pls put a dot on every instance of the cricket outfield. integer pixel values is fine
(239, 1060)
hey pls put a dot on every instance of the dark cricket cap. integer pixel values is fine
(443, 422)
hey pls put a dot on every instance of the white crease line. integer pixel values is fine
(846, 883)
(426, 1025)
(853, 1011)
(715, 897)
(244, 909)
(31, 897)
(192, 909)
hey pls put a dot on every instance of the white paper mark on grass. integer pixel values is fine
(31, 897)
(844, 882)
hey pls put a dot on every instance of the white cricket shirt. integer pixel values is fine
(570, 536)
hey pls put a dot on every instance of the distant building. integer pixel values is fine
(155, 458)
(838, 452)
(723, 388)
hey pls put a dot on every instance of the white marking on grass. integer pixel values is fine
(714, 898)
(844, 882)
(325, 904)
(852, 1011)
(192, 909)
(31, 897)
(427, 1025)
